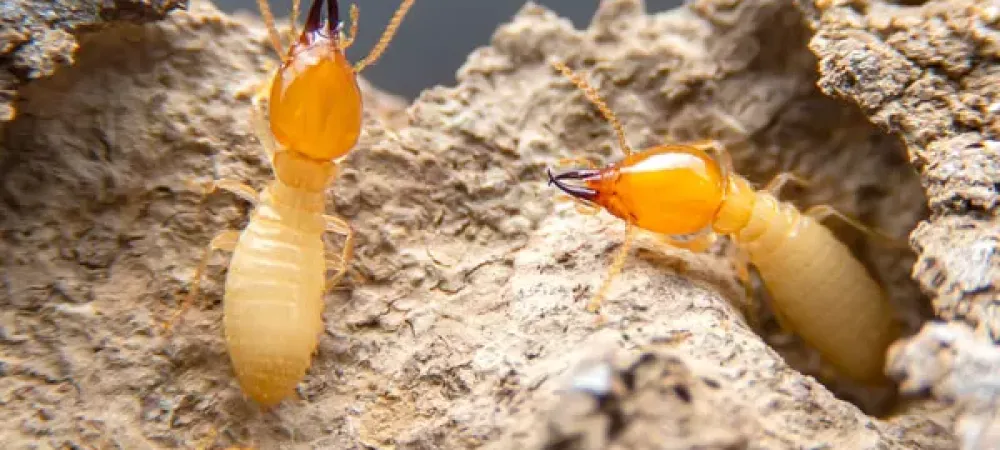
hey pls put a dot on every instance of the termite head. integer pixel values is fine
(671, 189)
(315, 102)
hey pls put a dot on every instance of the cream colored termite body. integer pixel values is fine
(818, 289)
(274, 298)
(274, 293)
(273, 303)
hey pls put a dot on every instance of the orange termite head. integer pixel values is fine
(670, 189)
(315, 102)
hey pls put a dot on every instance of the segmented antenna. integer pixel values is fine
(272, 31)
(293, 21)
(383, 41)
(595, 98)
(354, 27)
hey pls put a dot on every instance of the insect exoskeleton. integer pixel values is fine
(818, 289)
(277, 276)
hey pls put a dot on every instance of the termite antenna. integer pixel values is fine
(293, 21)
(614, 270)
(595, 98)
(387, 35)
(354, 27)
(272, 31)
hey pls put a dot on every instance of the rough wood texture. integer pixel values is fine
(927, 71)
(39, 36)
(472, 320)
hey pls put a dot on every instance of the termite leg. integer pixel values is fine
(779, 181)
(783, 322)
(821, 212)
(697, 244)
(741, 261)
(741, 266)
(242, 190)
(581, 206)
(226, 241)
(258, 119)
(207, 442)
(616, 267)
(337, 225)
(584, 208)
(341, 266)
(342, 271)
(579, 160)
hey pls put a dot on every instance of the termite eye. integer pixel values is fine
(315, 102)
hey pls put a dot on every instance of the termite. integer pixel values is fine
(275, 285)
(688, 194)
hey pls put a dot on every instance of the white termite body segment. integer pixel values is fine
(819, 290)
(273, 304)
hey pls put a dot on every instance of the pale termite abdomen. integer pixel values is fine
(819, 290)
(274, 298)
